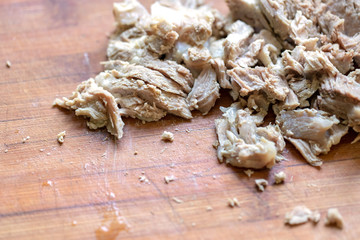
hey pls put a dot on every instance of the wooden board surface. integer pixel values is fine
(69, 191)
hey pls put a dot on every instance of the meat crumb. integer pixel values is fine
(144, 179)
(61, 136)
(74, 223)
(249, 172)
(177, 200)
(41, 150)
(301, 214)
(25, 139)
(169, 179)
(209, 208)
(232, 202)
(5, 151)
(135, 153)
(8, 64)
(167, 136)
(261, 184)
(334, 218)
(280, 177)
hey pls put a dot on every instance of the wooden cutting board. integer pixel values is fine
(92, 181)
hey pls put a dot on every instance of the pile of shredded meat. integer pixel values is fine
(296, 58)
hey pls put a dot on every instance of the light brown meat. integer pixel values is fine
(271, 49)
(173, 72)
(243, 143)
(349, 10)
(248, 80)
(304, 88)
(120, 86)
(205, 91)
(340, 95)
(341, 59)
(239, 35)
(197, 58)
(129, 13)
(307, 63)
(311, 131)
(92, 101)
(249, 12)
(136, 107)
(194, 26)
(149, 76)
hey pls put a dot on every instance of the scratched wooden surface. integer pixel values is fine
(64, 191)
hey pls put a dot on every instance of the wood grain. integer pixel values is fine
(54, 45)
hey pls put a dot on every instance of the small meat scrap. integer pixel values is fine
(25, 139)
(169, 179)
(334, 218)
(279, 177)
(300, 215)
(232, 202)
(61, 136)
(177, 200)
(261, 184)
(243, 143)
(8, 64)
(167, 136)
(311, 131)
(249, 172)
(143, 178)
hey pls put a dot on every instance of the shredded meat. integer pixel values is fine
(99, 105)
(311, 131)
(334, 218)
(299, 58)
(205, 91)
(300, 215)
(243, 143)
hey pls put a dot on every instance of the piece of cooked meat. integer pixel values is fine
(120, 86)
(311, 131)
(300, 215)
(270, 54)
(205, 91)
(279, 177)
(304, 88)
(167, 136)
(194, 26)
(149, 76)
(248, 80)
(93, 101)
(135, 107)
(243, 143)
(239, 34)
(340, 95)
(306, 63)
(197, 58)
(248, 11)
(61, 137)
(261, 184)
(342, 59)
(334, 218)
